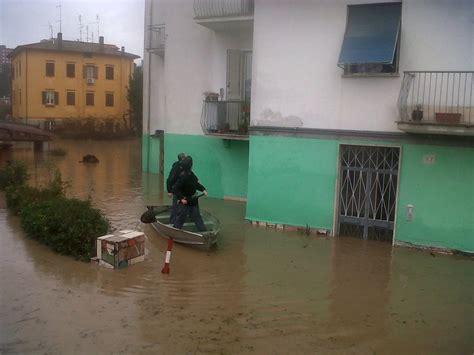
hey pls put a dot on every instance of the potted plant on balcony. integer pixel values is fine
(245, 119)
(417, 114)
(448, 117)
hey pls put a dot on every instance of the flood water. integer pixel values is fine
(260, 291)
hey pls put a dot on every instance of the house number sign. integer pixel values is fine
(429, 159)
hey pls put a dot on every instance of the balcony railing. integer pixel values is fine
(222, 8)
(158, 39)
(437, 98)
(229, 119)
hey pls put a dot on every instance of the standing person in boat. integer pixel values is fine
(184, 190)
(172, 178)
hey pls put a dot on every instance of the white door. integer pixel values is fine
(234, 75)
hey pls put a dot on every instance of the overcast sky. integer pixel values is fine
(26, 21)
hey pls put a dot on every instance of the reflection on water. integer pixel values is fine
(259, 292)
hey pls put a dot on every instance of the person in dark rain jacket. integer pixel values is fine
(172, 178)
(184, 190)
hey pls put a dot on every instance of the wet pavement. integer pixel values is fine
(260, 291)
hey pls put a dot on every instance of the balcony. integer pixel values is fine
(226, 119)
(220, 15)
(437, 102)
(157, 41)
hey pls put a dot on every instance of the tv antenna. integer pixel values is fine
(50, 26)
(97, 22)
(81, 26)
(60, 16)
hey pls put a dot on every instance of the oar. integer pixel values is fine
(149, 216)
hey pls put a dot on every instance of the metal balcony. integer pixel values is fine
(437, 102)
(226, 119)
(158, 39)
(224, 14)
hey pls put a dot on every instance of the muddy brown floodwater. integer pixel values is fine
(259, 292)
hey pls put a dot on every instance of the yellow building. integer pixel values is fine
(60, 81)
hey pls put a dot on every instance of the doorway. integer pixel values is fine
(367, 191)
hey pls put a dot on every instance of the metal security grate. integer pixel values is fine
(368, 191)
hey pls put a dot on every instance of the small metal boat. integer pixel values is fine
(189, 234)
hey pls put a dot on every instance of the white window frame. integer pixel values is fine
(89, 72)
(50, 101)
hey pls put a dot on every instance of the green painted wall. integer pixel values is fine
(150, 154)
(292, 180)
(442, 194)
(221, 165)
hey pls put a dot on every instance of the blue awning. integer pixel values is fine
(371, 34)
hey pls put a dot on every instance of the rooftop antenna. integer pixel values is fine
(87, 33)
(50, 26)
(60, 17)
(92, 36)
(81, 26)
(97, 22)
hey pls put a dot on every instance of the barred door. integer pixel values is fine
(368, 191)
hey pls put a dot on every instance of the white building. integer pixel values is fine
(352, 116)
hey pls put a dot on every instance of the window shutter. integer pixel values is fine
(43, 95)
(96, 72)
(84, 71)
(56, 98)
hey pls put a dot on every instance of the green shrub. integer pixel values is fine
(68, 226)
(13, 174)
(19, 196)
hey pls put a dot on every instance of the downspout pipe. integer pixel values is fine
(150, 23)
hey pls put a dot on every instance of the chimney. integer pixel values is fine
(101, 43)
(60, 40)
(123, 49)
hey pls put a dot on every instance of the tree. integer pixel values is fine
(135, 99)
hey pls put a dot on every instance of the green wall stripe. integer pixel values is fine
(221, 165)
(292, 181)
(150, 145)
(442, 193)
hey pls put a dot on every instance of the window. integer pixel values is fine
(372, 38)
(109, 99)
(71, 70)
(89, 99)
(71, 98)
(109, 72)
(90, 72)
(49, 69)
(50, 98)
